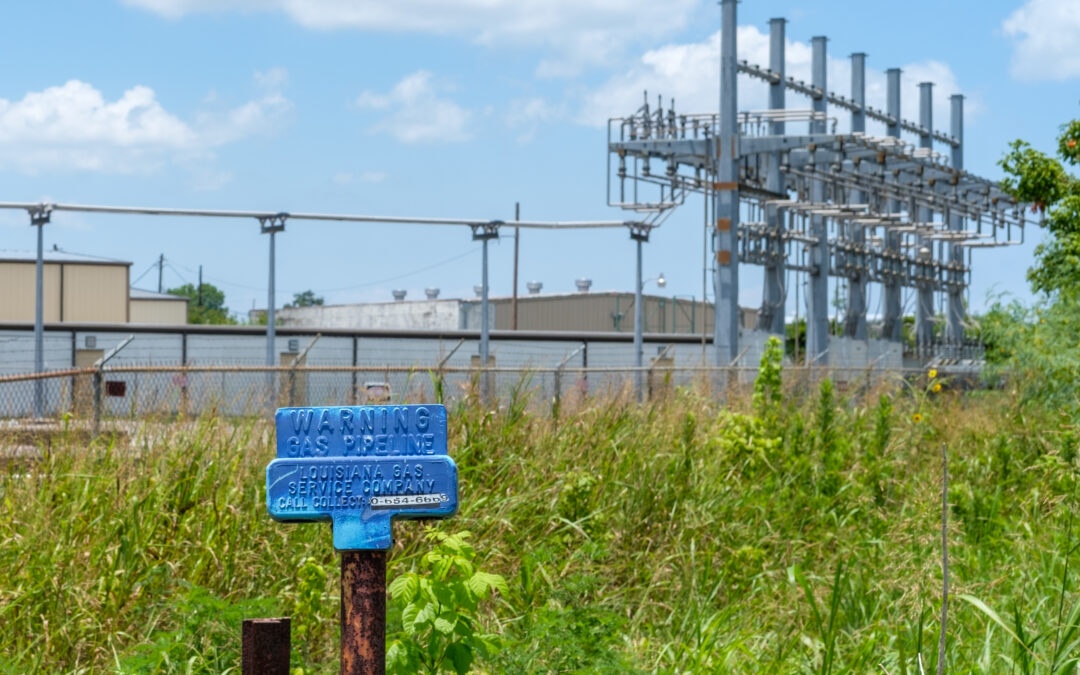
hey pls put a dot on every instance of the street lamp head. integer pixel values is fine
(661, 281)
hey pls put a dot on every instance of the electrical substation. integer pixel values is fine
(786, 193)
(892, 223)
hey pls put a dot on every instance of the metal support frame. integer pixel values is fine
(484, 232)
(817, 297)
(271, 225)
(924, 313)
(726, 194)
(774, 297)
(39, 217)
(855, 321)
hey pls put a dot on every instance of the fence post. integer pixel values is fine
(556, 404)
(266, 644)
(440, 382)
(98, 380)
(292, 385)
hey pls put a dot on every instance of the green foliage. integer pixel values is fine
(438, 610)
(633, 538)
(306, 299)
(310, 605)
(206, 304)
(768, 394)
(1034, 177)
(204, 639)
(1035, 349)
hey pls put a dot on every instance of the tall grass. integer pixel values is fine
(786, 534)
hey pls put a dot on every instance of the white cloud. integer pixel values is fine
(347, 177)
(416, 113)
(1044, 39)
(525, 115)
(690, 73)
(73, 127)
(580, 32)
(273, 79)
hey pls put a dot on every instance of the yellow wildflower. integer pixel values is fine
(936, 388)
(932, 373)
(916, 418)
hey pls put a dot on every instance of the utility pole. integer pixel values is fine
(199, 291)
(160, 271)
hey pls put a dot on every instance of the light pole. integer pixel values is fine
(484, 232)
(38, 218)
(270, 225)
(640, 234)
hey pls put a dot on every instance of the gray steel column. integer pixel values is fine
(773, 306)
(726, 196)
(855, 321)
(893, 307)
(638, 327)
(485, 334)
(924, 316)
(38, 220)
(817, 298)
(483, 233)
(271, 225)
(955, 326)
(271, 330)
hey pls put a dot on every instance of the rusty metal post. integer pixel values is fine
(266, 646)
(363, 612)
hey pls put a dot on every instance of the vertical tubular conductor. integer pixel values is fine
(771, 317)
(726, 274)
(955, 326)
(855, 321)
(817, 309)
(924, 315)
(893, 320)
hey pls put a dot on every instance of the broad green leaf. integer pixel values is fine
(461, 656)
(444, 626)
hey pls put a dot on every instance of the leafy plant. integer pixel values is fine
(438, 610)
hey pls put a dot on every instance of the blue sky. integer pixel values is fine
(447, 108)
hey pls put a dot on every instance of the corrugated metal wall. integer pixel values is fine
(95, 293)
(604, 312)
(73, 292)
(167, 312)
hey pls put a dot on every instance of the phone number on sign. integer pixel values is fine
(408, 500)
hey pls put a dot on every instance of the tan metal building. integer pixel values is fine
(157, 308)
(79, 288)
(600, 312)
(611, 311)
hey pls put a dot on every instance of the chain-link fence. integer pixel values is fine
(139, 392)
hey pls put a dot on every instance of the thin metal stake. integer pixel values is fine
(363, 612)
(944, 555)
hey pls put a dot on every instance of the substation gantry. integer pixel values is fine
(866, 209)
